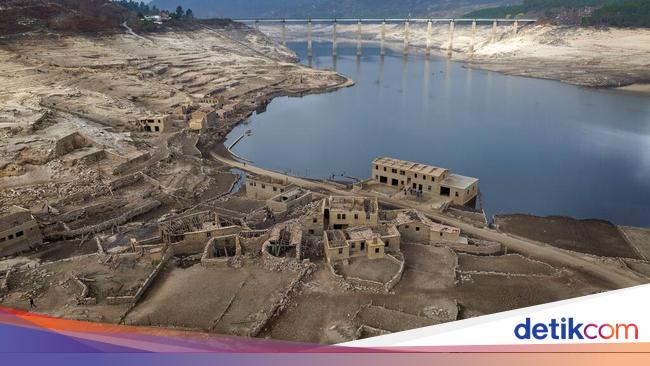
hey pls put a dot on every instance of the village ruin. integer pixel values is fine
(121, 202)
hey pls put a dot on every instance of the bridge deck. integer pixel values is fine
(387, 20)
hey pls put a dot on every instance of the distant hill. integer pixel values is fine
(588, 12)
(327, 8)
(60, 15)
(630, 13)
(87, 16)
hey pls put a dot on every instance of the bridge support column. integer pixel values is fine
(406, 37)
(450, 47)
(359, 38)
(310, 51)
(429, 30)
(284, 33)
(334, 39)
(515, 27)
(473, 39)
(494, 31)
(382, 52)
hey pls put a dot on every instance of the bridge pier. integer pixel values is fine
(284, 33)
(359, 38)
(310, 51)
(382, 52)
(473, 39)
(429, 30)
(334, 39)
(515, 27)
(406, 37)
(450, 47)
(494, 32)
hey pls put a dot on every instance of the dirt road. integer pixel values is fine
(615, 276)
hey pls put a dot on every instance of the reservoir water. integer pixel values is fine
(537, 146)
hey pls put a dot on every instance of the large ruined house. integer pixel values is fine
(19, 231)
(188, 234)
(425, 180)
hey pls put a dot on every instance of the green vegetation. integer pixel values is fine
(139, 7)
(630, 13)
(547, 7)
(607, 12)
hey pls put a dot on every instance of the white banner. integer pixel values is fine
(615, 316)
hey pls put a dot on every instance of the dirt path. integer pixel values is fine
(615, 276)
(134, 34)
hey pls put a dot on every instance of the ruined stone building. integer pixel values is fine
(181, 112)
(220, 249)
(202, 119)
(19, 231)
(158, 123)
(215, 101)
(76, 148)
(263, 187)
(360, 241)
(289, 200)
(285, 240)
(424, 179)
(415, 226)
(340, 212)
(188, 234)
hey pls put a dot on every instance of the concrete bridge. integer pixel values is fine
(514, 23)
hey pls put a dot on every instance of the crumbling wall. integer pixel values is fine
(83, 298)
(398, 276)
(279, 306)
(479, 247)
(91, 210)
(355, 283)
(69, 143)
(125, 217)
(195, 243)
(125, 181)
(361, 284)
(4, 285)
(115, 300)
(473, 217)
(131, 163)
(209, 260)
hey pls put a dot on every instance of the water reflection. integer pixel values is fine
(538, 146)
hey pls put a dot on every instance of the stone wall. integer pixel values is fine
(398, 258)
(279, 306)
(69, 143)
(477, 218)
(356, 283)
(209, 260)
(125, 217)
(125, 181)
(131, 163)
(479, 247)
(115, 300)
(4, 285)
(83, 298)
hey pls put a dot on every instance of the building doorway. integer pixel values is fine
(326, 218)
(445, 191)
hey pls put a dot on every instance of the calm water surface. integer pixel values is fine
(537, 146)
